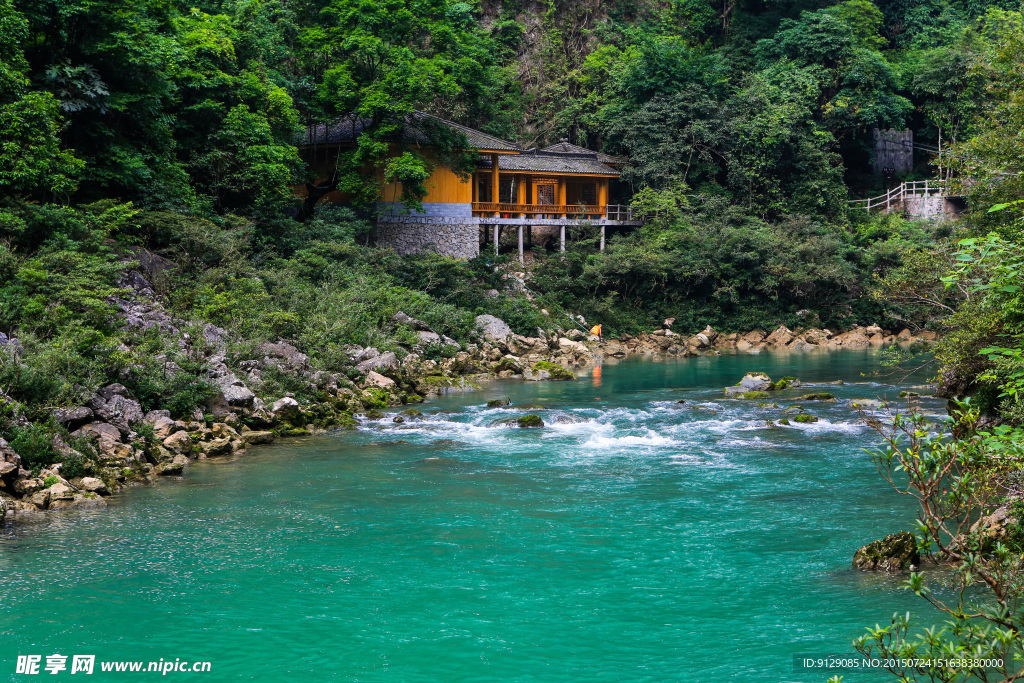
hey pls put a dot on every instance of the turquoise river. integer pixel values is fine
(633, 538)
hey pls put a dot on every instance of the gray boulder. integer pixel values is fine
(237, 394)
(752, 381)
(425, 338)
(73, 418)
(94, 485)
(493, 329)
(285, 356)
(377, 380)
(10, 462)
(286, 408)
(401, 319)
(385, 361)
(115, 404)
(365, 354)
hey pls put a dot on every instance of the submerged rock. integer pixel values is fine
(752, 395)
(821, 396)
(524, 421)
(894, 553)
(867, 403)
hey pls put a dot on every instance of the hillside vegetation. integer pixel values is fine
(149, 231)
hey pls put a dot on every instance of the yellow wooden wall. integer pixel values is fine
(443, 186)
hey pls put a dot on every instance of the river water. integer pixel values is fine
(632, 538)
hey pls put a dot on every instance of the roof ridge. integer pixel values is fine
(514, 145)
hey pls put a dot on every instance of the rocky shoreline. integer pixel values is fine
(665, 341)
(115, 444)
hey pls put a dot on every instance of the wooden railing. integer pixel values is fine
(615, 212)
(915, 188)
(556, 209)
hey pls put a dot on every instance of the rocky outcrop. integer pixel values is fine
(894, 553)
(493, 329)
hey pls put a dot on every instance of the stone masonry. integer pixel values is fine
(448, 229)
(414, 235)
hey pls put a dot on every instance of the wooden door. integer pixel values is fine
(546, 194)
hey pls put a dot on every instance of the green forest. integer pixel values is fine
(167, 132)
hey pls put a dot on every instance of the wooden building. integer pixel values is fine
(561, 185)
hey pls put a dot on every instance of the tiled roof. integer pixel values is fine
(566, 147)
(347, 129)
(541, 161)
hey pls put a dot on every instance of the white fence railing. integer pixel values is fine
(619, 212)
(914, 188)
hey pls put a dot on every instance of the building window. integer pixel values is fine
(545, 194)
(507, 188)
(588, 194)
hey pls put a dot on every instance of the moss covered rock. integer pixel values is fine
(498, 403)
(894, 553)
(821, 396)
(530, 421)
(542, 370)
(752, 394)
(805, 418)
(524, 421)
(751, 382)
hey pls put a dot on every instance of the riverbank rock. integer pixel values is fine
(894, 553)
(173, 468)
(253, 438)
(285, 408)
(996, 527)
(543, 370)
(94, 485)
(384, 361)
(375, 379)
(115, 405)
(780, 337)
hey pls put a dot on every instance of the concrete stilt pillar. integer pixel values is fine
(521, 259)
(561, 240)
(602, 238)
(496, 240)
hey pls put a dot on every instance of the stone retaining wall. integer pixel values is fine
(414, 235)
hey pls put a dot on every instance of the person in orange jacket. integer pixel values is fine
(596, 331)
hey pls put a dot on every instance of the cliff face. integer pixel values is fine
(548, 43)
